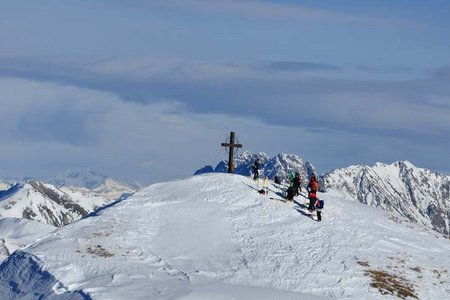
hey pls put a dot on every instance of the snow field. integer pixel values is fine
(213, 236)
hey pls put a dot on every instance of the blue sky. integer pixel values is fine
(147, 90)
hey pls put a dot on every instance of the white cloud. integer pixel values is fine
(261, 9)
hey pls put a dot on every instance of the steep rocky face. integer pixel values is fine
(281, 165)
(418, 194)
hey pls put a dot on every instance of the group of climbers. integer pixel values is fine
(315, 204)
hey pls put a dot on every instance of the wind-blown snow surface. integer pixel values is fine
(213, 236)
(16, 233)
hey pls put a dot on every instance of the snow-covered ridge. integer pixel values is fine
(214, 237)
(419, 194)
(46, 203)
(75, 195)
(281, 165)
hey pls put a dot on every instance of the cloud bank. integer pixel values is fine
(136, 116)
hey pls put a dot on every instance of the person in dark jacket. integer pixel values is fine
(296, 182)
(290, 193)
(255, 168)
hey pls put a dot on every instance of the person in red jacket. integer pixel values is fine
(313, 187)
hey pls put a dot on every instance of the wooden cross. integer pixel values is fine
(232, 145)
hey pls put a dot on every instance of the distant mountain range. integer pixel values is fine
(88, 179)
(281, 165)
(72, 196)
(418, 194)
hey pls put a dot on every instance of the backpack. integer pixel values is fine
(319, 204)
(277, 180)
(314, 186)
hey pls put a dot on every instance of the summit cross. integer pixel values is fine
(231, 145)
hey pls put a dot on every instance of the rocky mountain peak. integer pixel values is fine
(416, 193)
(281, 165)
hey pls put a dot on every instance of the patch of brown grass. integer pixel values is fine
(389, 284)
(99, 251)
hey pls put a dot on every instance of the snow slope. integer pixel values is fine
(419, 194)
(17, 233)
(213, 236)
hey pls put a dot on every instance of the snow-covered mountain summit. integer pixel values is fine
(79, 178)
(214, 237)
(86, 180)
(419, 194)
(281, 165)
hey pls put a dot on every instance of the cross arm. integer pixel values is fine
(231, 145)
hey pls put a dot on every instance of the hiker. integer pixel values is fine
(255, 169)
(296, 184)
(319, 206)
(313, 187)
(290, 193)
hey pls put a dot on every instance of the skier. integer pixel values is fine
(313, 187)
(319, 206)
(296, 184)
(255, 169)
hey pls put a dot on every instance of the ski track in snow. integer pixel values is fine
(200, 237)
